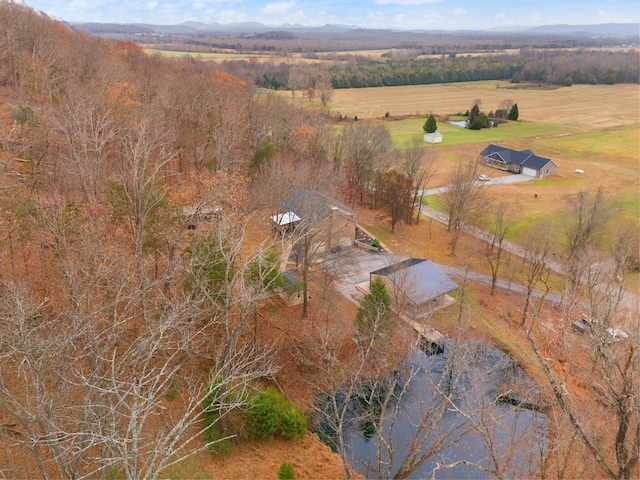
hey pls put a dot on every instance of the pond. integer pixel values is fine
(466, 411)
(462, 124)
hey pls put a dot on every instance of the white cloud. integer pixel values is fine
(152, 5)
(231, 16)
(605, 14)
(406, 2)
(460, 11)
(279, 7)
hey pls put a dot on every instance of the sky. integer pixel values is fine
(396, 14)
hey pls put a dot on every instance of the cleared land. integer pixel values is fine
(589, 127)
(586, 106)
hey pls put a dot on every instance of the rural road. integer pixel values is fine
(493, 181)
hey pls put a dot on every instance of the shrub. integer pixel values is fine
(286, 472)
(266, 411)
(272, 414)
(293, 423)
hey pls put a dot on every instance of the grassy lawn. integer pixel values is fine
(404, 132)
(620, 143)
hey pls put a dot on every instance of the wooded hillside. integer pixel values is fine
(117, 316)
(139, 269)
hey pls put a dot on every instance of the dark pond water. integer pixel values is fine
(443, 406)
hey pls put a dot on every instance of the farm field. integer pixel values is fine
(203, 55)
(588, 107)
(591, 128)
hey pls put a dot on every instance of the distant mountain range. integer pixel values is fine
(604, 29)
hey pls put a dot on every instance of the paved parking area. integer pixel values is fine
(352, 266)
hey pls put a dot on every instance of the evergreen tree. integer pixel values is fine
(513, 113)
(430, 125)
(475, 111)
(372, 319)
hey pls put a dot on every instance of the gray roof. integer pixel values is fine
(525, 158)
(291, 283)
(421, 280)
(312, 203)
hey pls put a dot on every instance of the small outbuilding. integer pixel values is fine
(435, 137)
(416, 286)
(292, 291)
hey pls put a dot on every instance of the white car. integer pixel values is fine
(484, 178)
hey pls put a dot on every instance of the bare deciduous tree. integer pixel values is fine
(587, 216)
(463, 198)
(536, 263)
(87, 129)
(361, 151)
(420, 164)
(494, 249)
(407, 416)
(325, 90)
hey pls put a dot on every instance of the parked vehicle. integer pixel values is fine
(484, 178)
(608, 335)
(581, 325)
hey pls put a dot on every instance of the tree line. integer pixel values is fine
(555, 67)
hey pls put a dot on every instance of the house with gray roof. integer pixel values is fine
(517, 161)
(417, 287)
(333, 224)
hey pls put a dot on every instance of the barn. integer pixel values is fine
(517, 161)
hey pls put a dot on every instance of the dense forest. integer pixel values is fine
(122, 325)
(556, 67)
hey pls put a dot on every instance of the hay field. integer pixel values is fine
(204, 55)
(585, 106)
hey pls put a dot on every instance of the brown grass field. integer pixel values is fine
(588, 106)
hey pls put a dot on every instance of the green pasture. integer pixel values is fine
(403, 132)
(619, 143)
